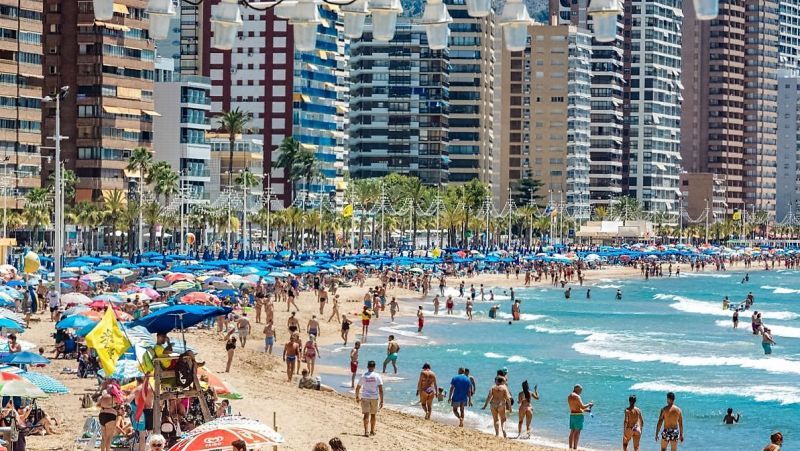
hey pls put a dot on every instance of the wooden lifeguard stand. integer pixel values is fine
(159, 395)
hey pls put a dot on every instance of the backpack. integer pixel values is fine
(185, 370)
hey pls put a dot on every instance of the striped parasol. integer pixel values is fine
(46, 383)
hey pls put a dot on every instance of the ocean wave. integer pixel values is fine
(777, 331)
(715, 308)
(782, 394)
(522, 316)
(509, 359)
(780, 290)
(608, 286)
(700, 274)
(607, 346)
(403, 333)
(558, 331)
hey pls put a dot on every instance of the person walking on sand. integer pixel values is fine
(230, 348)
(394, 308)
(460, 389)
(345, 328)
(576, 410)
(369, 394)
(671, 417)
(354, 363)
(392, 348)
(632, 425)
(420, 319)
(499, 398)
(524, 400)
(290, 351)
(311, 353)
(335, 309)
(322, 297)
(243, 326)
(427, 388)
(290, 299)
(366, 315)
(313, 328)
(775, 442)
(269, 337)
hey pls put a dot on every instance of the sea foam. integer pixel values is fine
(782, 394)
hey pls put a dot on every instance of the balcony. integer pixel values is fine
(199, 100)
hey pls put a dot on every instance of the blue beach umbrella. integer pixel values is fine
(15, 283)
(24, 358)
(178, 317)
(74, 322)
(10, 324)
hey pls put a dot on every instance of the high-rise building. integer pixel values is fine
(183, 103)
(606, 133)
(256, 77)
(652, 103)
(319, 105)
(288, 93)
(109, 67)
(399, 100)
(789, 12)
(787, 196)
(472, 58)
(20, 95)
(546, 117)
(729, 112)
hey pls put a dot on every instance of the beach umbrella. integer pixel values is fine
(107, 297)
(177, 277)
(75, 310)
(46, 383)
(76, 298)
(199, 297)
(221, 438)
(220, 387)
(24, 358)
(15, 283)
(122, 272)
(350, 267)
(125, 369)
(178, 317)
(182, 285)
(75, 322)
(141, 296)
(93, 278)
(279, 274)
(22, 388)
(10, 324)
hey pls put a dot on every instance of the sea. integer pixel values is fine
(666, 334)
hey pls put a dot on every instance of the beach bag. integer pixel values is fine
(185, 370)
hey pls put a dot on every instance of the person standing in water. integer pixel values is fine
(436, 305)
(767, 341)
(775, 442)
(354, 363)
(736, 318)
(730, 418)
(526, 408)
(672, 418)
(515, 315)
(427, 387)
(366, 315)
(576, 410)
(420, 319)
(468, 309)
(392, 348)
(619, 294)
(394, 308)
(633, 424)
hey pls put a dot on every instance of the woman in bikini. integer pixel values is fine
(526, 407)
(310, 354)
(632, 426)
(427, 389)
(108, 420)
(345, 328)
(499, 398)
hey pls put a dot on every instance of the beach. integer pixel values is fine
(303, 417)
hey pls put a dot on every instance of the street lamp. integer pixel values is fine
(437, 24)
(514, 20)
(604, 14)
(59, 188)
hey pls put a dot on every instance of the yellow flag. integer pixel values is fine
(108, 340)
(347, 211)
(737, 215)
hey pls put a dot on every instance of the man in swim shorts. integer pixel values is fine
(576, 410)
(391, 354)
(420, 319)
(672, 419)
(354, 363)
(290, 351)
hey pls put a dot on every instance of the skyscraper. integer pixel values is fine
(729, 112)
(652, 103)
(789, 16)
(546, 115)
(471, 109)
(787, 186)
(20, 94)
(109, 67)
(606, 133)
(399, 100)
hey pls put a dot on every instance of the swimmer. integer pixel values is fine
(619, 294)
(730, 418)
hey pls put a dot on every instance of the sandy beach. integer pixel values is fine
(303, 417)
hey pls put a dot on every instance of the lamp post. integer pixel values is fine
(5, 196)
(59, 188)
(182, 198)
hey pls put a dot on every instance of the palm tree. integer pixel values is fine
(626, 208)
(152, 213)
(246, 180)
(114, 204)
(366, 193)
(233, 123)
(141, 160)
(86, 216)
(288, 149)
(601, 213)
(38, 205)
(68, 180)
(305, 167)
(167, 184)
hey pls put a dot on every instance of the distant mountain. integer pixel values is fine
(536, 8)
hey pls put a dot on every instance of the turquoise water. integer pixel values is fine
(667, 334)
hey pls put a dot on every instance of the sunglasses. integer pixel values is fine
(156, 445)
